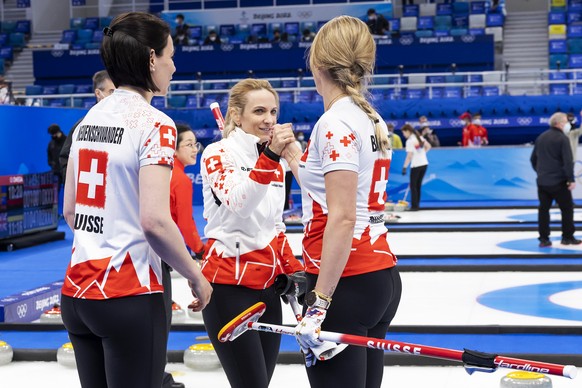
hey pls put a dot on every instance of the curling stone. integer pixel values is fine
(196, 315)
(523, 379)
(66, 355)
(178, 314)
(201, 357)
(53, 315)
(6, 353)
(389, 206)
(401, 206)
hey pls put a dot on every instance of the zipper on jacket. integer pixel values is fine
(237, 262)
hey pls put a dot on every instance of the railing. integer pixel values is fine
(538, 83)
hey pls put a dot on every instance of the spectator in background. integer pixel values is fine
(300, 136)
(416, 149)
(54, 149)
(427, 132)
(181, 31)
(467, 130)
(102, 87)
(552, 161)
(212, 38)
(6, 96)
(479, 136)
(377, 23)
(574, 135)
(395, 140)
(276, 36)
(307, 35)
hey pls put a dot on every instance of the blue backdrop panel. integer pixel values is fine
(60, 65)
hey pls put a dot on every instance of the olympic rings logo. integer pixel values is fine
(285, 45)
(524, 120)
(468, 38)
(57, 53)
(304, 14)
(21, 310)
(406, 40)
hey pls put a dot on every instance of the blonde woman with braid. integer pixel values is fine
(243, 184)
(352, 281)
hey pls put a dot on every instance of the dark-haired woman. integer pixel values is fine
(117, 203)
(416, 149)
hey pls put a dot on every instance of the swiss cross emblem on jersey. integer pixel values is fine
(279, 174)
(377, 196)
(213, 164)
(92, 178)
(168, 136)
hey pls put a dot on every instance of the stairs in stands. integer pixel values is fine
(525, 47)
(21, 71)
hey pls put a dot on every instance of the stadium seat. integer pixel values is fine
(477, 21)
(556, 18)
(92, 45)
(77, 23)
(192, 101)
(219, 85)
(489, 91)
(393, 94)
(460, 8)
(158, 102)
(77, 102)
(88, 102)
(394, 25)
(561, 58)
(476, 31)
(442, 33)
(424, 33)
(460, 21)
(453, 92)
(577, 90)
(558, 46)
(410, 10)
(574, 46)
(473, 78)
(408, 23)
(97, 36)
(84, 36)
(436, 92)
(183, 87)
(305, 96)
(288, 83)
(574, 31)
(443, 22)
(2, 66)
(66, 89)
(23, 26)
(473, 91)
(435, 79)
(50, 89)
(494, 20)
(559, 90)
(286, 97)
(415, 94)
(33, 90)
(68, 36)
(477, 7)
(456, 31)
(428, 9)
(91, 23)
(7, 53)
(444, 9)
(425, 23)
(3, 39)
(84, 88)
(8, 26)
(56, 102)
(17, 41)
(105, 21)
(575, 61)
(558, 76)
(497, 33)
(574, 17)
(177, 101)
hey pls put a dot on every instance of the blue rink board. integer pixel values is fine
(493, 343)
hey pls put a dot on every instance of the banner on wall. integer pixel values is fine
(280, 14)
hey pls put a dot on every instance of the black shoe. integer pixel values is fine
(176, 384)
(571, 241)
(544, 243)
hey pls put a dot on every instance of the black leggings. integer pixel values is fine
(118, 342)
(362, 305)
(416, 176)
(249, 361)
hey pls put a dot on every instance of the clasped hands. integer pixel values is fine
(283, 141)
(307, 335)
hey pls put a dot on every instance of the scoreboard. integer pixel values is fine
(28, 204)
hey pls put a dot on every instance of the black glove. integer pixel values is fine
(199, 255)
(403, 170)
(294, 285)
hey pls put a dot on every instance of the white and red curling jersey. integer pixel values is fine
(344, 139)
(244, 192)
(111, 257)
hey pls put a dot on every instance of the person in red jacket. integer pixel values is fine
(479, 135)
(468, 130)
(187, 149)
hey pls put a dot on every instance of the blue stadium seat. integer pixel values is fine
(97, 36)
(574, 17)
(454, 79)
(558, 46)
(473, 78)
(84, 36)
(219, 85)
(227, 30)
(8, 26)
(473, 91)
(477, 7)
(2, 67)
(7, 53)
(575, 61)
(105, 21)
(443, 22)
(183, 87)
(558, 76)
(195, 32)
(286, 97)
(461, 21)
(559, 90)
(393, 94)
(308, 82)
(460, 8)
(394, 25)
(435, 79)
(66, 89)
(33, 90)
(92, 45)
(77, 23)
(415, 94)
(288, 83)
(88, 102)
(574, 46)
(410, 10)
(3, 39)
(305, 96)
(494, 20)
(577, 90)
(17, 41)
(453, 92)
(436, 92)
(77, 102)
(425, 23)
(574, 5)
(476, 31)
(57, 102)
(489, 91)
(444, 9)
(177, 101)
(457, 31)
(86, 88)
(68, 36)
(574, 31)
(556, 18)
(50, 89)
(23, 26)
(561, 58)
(192, 101)
(442, 33)
(158, 102)
(424, 33)
(91, 23)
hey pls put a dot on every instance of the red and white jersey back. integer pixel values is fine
(344, 139)
(111, 257)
